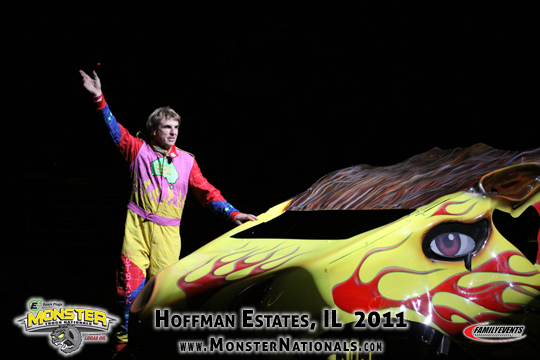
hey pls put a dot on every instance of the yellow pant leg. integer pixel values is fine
(147, 249)
(164, 248)
(131, 276)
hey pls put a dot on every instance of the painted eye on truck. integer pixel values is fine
(452, 245)
(455, 241)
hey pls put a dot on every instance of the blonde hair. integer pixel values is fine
(159, 114)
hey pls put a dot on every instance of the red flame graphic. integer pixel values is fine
(211, 280)
(537, 207)
(442, 210)
(353, 294)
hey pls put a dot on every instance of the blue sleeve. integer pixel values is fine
(111, 123)
(222, 209)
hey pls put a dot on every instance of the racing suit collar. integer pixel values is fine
(171, 153)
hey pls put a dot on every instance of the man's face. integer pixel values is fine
(165, 135)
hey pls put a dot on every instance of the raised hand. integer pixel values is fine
(92, 85)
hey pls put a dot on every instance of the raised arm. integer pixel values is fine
(128, 145)
(92, 85)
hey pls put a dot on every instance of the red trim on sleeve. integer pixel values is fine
(100, 102)
(202, 189)
(233, 215)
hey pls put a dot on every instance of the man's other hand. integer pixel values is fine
(242, 218)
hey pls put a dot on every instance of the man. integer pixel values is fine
(161, 175)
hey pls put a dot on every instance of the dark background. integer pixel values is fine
(273, 95)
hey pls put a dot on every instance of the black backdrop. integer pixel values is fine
(273, 95)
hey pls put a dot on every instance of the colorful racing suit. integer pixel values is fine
(160, 184)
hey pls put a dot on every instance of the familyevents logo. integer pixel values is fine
(495, 333)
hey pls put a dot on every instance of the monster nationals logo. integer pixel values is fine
(495, 333)
(67, 326)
